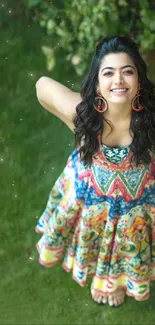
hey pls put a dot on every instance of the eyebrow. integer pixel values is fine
(125, 66)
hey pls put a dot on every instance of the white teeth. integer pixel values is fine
(119, 90)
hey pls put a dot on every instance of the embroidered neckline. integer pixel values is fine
(121, 147)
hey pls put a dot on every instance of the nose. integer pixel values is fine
(118, 78)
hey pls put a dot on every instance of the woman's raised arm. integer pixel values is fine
(58, 99)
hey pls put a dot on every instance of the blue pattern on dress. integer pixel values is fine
(115, 155)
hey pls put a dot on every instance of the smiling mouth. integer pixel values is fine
(119, 90)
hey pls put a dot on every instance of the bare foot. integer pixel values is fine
(116, 299)
(97, 297)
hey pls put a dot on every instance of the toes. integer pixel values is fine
(94, 295)
(113, 302)
(100, 299)
(110, 301)
(92, 292)
(116, 299)
(104, 299)
(117, 302)
(121, 297)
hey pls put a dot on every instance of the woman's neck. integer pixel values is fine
(118, 113)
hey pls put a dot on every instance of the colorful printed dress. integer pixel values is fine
(101, 221)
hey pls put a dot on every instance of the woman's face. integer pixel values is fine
(118, 78)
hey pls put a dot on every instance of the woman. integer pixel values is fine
(101, 210)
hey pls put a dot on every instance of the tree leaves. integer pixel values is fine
(77, 25)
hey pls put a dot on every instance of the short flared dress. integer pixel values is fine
(100, 222)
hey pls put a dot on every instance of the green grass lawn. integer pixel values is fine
(34, 148)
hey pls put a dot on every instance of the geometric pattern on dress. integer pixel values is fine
(129, 182)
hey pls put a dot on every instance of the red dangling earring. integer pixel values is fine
(136, 106)
(100, 103)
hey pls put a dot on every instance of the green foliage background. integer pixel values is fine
(76, 26)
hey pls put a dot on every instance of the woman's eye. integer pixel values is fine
(108, 73)
(129, 71)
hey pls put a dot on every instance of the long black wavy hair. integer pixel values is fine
(89, 124)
